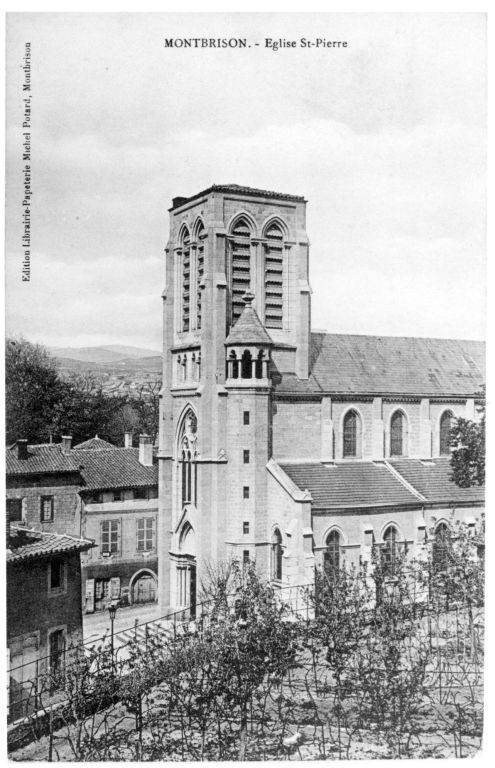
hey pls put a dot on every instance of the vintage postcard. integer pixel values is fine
(245, 386)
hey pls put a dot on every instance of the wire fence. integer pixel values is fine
(93, 682)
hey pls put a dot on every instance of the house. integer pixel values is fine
(119, 494)
(97, 491)
(281, 444)
(44, 614)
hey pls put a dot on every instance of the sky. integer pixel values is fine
(385, 138)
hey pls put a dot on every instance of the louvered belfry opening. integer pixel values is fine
(274, 249)
(200, 260)
(240, 277)
(186, 280)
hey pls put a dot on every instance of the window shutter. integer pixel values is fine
(115, 587)
(90, 596)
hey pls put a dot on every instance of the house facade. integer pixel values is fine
(44, 614)
(282, 445)
(102, 493)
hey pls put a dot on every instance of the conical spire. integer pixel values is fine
(249, 329)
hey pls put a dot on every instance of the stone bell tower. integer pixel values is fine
(236, 309)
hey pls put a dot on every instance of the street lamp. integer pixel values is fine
(112, 610)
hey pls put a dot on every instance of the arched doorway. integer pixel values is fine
(143, 587)
(186, 570)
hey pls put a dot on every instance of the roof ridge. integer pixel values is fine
(404, 482)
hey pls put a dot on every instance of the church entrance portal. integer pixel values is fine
(186, 571)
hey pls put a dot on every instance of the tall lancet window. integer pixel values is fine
(240, 265)
(187, 460)
(186, 280)
(200, 265)
(398, 434)
(274, 277)
(352, 435)
(446, 424)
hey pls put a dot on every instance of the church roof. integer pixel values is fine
(354, 484)
(432, 480)
(94, 444)
(357, 484)
(236, 189)
(353, 364)
(248, 329)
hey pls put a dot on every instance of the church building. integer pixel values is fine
(292, 448)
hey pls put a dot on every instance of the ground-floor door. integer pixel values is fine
(144, 589)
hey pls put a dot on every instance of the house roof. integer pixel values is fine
(41, 459)
(25, 544)
(94, 443)
(353, 364)
(432, 480)
(116, 468)
(357, 484)
(354, 484)
(248, 329)
(236, 189)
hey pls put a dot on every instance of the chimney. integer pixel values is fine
(66, 443)
(22, 449)
(127, 439)
(178, 201)
(145, 451)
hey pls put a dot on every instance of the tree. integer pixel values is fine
(467, 440)
(34, 391)
(41, 405)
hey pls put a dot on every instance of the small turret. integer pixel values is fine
(248, 347)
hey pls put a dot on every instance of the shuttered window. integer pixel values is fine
(186, 280)
(240, 266)
(274, 249)
(200, 265)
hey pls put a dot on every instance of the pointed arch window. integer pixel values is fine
(240, 265)
(392, 550)
(276, 555)
(398, 434)
(446, 424)
(331, 556)
(186, 280)
(352, 435)
(187, 460)
(441, 546)
(200, 266)
(274, 276)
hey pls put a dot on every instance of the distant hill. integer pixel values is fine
(103, 355)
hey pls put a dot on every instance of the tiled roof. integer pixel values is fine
(236, 189)
(26, 545)
(348, 364)
(116, 468)
(432, 480)
(95, 443)
(354, 484)
(290, 384)
(42, 459)
(248, 329)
